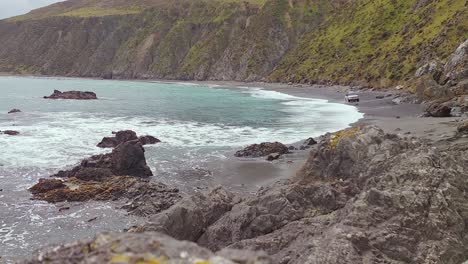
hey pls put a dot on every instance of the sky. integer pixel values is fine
(9, 8)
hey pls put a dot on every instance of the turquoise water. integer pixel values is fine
(200, 127)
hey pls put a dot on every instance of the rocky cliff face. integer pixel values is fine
(378, 43)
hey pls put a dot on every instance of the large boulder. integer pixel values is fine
(263, 149)
(142, 248)
(75, 95)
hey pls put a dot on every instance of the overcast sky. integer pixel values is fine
(9, 8)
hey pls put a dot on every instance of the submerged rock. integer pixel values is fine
(263, 149)
(143, 248)
(124, 136)
(144, 197)
(14, 110)
(75, 95)
(10, 132)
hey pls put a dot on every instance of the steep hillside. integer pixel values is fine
(178, 39)
(371, 42)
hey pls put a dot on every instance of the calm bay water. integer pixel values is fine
(200, 127)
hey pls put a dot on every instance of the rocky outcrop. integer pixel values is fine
(10, 132)
(124, 136)
(127, 158)
(121, 174)
(363, 195)
(75, 95)
(143, 248)
(263, 149)
(14, 110)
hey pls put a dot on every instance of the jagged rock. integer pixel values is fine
(75, 95)
(144, 197)
(142, 248)
(14, 110)
(127, 158)
(263, 149)
(273, 157)
(10, 132)
(438, 110)
(124, 136)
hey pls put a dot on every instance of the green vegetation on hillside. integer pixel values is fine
(377, 41)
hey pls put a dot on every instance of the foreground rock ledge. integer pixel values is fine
(74, 95)
(362, 197)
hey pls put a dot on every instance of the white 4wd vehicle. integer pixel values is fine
(351, 97)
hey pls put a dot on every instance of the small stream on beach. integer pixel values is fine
(201, 126)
